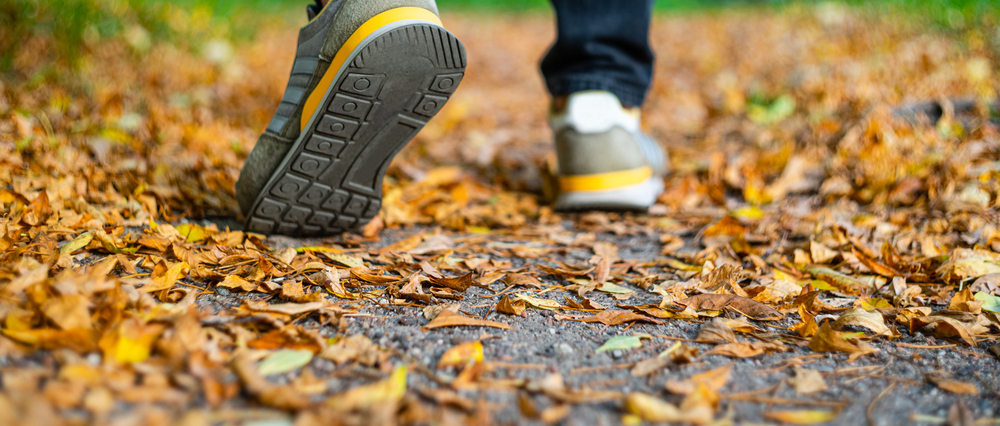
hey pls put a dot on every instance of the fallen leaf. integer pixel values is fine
(521, 280)
(450, 319)
(953, 386)
(990, 302)
(618, 317)
(968, 263)
(623, 342)
(746, 350)
(68, 311)
(516, 307)
(807, 381)
(385, 394)
(821, 253)
(237, 282)
(192, 233)
(944, 327)
(461, 355)
(354, 348)
(859, 317)
(801, 417)
(713, 379)
(828, 340)
(284, 308)
(461, 283)
(344, 259)
(283, 361)
(539, 303)
(164, 278)
(652, 409)
(964, 301)
(78, 243)
(729, 302)
(715, 331)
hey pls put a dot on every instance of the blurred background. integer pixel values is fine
(150, 105)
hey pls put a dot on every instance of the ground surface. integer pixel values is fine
(821, 256)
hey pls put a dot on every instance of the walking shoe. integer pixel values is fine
(368, 75)
(606, 162)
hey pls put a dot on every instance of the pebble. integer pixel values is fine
(563, 349)
(552, 331)
(222, 291)
(617, 353)
(94, 359)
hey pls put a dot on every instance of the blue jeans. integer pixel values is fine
(602, 45)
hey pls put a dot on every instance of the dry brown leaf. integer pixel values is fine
(713, 379)
(965, 301)
(859, 317)
(522, 280)
(876, 266)
(461, 283)
(746, 350)
(821, 253)
(617, 318)
(715, 331)
(237, 282)
(69, 311)
(450, 319)
(944, 327)
(952, 386)
(828, 340)
(164, 277)
(509, 307)
(807, 381)
(729, 302)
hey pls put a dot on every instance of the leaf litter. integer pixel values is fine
(804, 216)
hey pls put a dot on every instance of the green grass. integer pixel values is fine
(74, 22)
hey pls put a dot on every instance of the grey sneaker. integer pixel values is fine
(368, 75)
(606, 162)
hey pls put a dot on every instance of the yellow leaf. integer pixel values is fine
(69, 311)
(79, 242)
(462, 354)
(193, 233)
(801, 417)
(385, 393)
(235, 281)
(344, 259)
(651, 408)
(164, 278)
(540, 303)
(133, 340)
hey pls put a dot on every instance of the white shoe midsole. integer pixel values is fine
(638, 197)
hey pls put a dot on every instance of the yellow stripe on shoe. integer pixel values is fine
(368, 28)
(605, 181)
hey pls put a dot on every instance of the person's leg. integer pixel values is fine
(602, 45)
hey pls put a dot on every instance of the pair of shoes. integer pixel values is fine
(368, 75)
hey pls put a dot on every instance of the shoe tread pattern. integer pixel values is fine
(333, 181)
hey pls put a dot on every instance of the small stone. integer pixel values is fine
(617, 353)
(552, 331)
(563, 349)
(919, 337)
(222, 291)
(94, 359)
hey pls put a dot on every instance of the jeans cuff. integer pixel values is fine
(628, 94)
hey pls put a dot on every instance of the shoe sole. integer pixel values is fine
(392, 83)
(639, 197)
